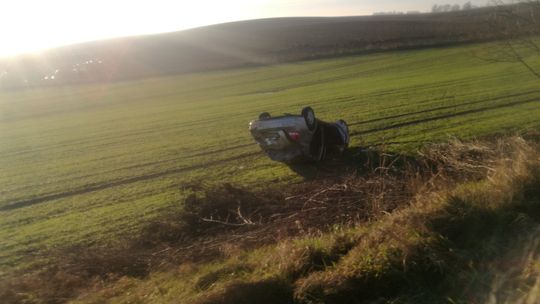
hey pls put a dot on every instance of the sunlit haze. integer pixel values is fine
(34, 25)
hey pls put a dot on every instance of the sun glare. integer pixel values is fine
(31, 26)
(34, 25)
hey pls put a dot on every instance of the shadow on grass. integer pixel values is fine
(269, 291)
(354, 161)
(472, 246)
(484, 242)
(476, 244)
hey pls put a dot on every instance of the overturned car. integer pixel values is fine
(296, 138)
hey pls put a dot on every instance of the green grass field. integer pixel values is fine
(82, 164)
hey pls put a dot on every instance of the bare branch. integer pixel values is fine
(210, 220)
(516, 26)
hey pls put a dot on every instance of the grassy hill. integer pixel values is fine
(85, 164)
(250, 43)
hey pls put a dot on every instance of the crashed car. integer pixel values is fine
(298, 138)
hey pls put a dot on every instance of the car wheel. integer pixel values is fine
(264, 116)
(309, 117)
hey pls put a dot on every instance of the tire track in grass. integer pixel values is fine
(113, 137)
(352, 76)
(131, 167)
(181, 126)
(356, 74)
(362, 132)
(101, 186)
(88, 105)
(446, 116)
(441, 108)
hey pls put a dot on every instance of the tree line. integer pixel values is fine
(441, 8)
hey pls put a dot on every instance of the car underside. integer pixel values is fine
(298, 138)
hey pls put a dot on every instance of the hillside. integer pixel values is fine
(246, 43)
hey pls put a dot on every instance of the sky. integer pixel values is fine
(28, 26)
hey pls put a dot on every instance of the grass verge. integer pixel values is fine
(456, 224)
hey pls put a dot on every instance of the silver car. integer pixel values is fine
(295, 138)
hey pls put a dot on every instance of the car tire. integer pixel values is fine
(264, 116)
(309, 117)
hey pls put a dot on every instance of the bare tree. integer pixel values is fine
(467, 6)
(443, 8)
(516, 27)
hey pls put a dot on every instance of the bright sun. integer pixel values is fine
(33, 25)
